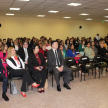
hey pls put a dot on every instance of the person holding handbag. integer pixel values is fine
(17, 69)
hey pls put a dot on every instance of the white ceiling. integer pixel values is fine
(33, 8)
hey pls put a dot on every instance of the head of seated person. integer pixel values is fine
(25, 45)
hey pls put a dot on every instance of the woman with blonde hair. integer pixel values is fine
(17, 69)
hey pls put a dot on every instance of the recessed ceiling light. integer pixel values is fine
(9, 14)
(52, 11)
(22, 0)
(106, 9)
(83, 14)
(14, 9)
(74, 4)
(40, 15)
(106, 16)
(88, 19)
(105, 20)
(67, 17)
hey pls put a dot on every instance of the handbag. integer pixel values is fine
(13, 88)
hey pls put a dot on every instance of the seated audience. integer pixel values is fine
(16, 46)
(24, 52)
(63, 51)
(81, 47)
(48, 47)
(56, 63)
(66, 44)
(0, 45)
(43, 50)
(89, 52)
(5, 82)
(3, 56)
(71, 52)
(36, 62)
(93, 47)
(17, 69)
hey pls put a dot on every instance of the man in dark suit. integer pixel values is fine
(24, 52)
(5, 82)
(56, 63)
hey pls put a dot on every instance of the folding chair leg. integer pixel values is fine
(10, 87)
(75, 74)
(92, 71)
(78, 73)
(99, 73)
(81, 76)
(84, 76)
(95, 73)
(52, 79)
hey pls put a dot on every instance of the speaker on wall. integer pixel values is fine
(0, 25)
(80, 27)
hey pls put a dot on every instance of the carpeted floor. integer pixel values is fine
(92, 93)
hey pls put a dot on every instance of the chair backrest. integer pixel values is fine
(98, 58)
(84, 59)
(77, 51)
(70, 61)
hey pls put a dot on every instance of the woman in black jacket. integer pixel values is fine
(36, 62)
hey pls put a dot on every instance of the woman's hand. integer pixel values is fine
(39, 68)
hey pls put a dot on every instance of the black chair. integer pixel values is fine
(84, 60)
(13, 78)
(71, 63)
(98, 62)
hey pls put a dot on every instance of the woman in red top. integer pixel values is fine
(36, 62)
(43, 50)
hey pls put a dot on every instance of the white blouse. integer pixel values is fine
(18, 65)
(16, 47)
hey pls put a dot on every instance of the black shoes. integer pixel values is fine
(5, 97)
(66, 86)
(58, 88)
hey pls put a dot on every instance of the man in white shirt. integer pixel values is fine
(23, 52)
(97, 37)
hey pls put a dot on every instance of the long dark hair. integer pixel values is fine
(69, 47)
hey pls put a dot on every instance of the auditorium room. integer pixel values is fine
(53, 53)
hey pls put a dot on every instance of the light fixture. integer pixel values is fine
(14, 9)
(67, 17)
(40, 15)
(106, 9)
(88, 19)
(52, 11)
(9, 14)
(106, 16)
(22, 0)
(83, 14)
(105, 20)
(74, 4)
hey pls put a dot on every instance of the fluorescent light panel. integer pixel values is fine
(106, 16)
(52, 11)
(74, 4)
(22, 0)
(9, 14)
(106, 9)
(105, 20)
(14, 9)
(40, 15)
(67, 17)
(88, 19)
(83, 14)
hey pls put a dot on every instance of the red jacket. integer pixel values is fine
(42, 51)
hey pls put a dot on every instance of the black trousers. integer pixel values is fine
(40, 77)
(68, 72)
(5, 82)
(27, 80)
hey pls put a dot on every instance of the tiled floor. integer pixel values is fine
(92, 93)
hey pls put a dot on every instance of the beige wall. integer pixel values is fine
(13, 27)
